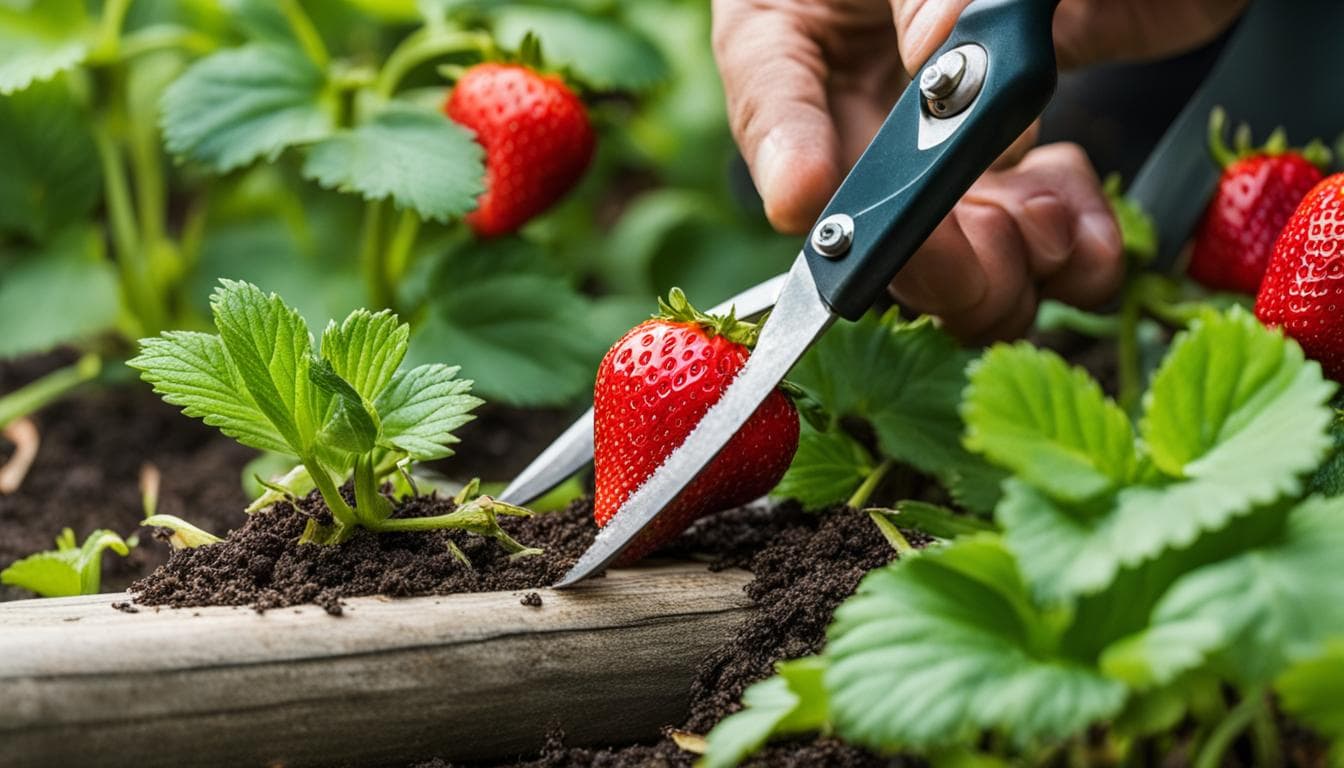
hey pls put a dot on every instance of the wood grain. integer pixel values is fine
(463, 677)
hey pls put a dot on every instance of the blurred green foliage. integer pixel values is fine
(153, 147)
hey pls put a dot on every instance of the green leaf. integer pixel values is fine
(936, 521)
(1029, 411)
(419, 158)
(311, 268)
(1234, 418)
(185, 535)
(496, 310)
(597, 51)
(903, 378)
(1231, 393)
(677, 237)
(366, 349)
(40, 41)
(49, 574)
(348, 426)
(1250, 615)
(793, 701)
(31, 320)
(826, 470)
(193, 371)
(269, 344)
(66, 570)
(51, 175)
(1310, 692)
(1329, 477)
(238, 105)
(1137, 230)
(420, 408)
(935, 649)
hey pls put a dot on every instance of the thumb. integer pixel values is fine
(774, 78)
(922, 26)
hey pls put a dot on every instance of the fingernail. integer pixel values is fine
(1045, 222)
(768, 166)
(1098, 233)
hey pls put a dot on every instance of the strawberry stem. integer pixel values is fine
(1315, 152)
(1222, 155)
(1318, 154)
(870, 483)
(891, 533)
(676, 308)
(306, 32)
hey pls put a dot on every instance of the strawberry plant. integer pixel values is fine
(70, 569)
(266, 107)
(882, 394)
(1137, 567)
(346, 409)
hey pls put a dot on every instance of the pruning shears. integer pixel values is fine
(978, 93)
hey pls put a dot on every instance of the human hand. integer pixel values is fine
(808, 83)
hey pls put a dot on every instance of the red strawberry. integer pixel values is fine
(1303, 290)
(653, 387)
(537, 140)
(1258, 191)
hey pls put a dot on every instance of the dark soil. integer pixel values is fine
(87, 469)
(262, 564)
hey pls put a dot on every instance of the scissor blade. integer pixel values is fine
(799, 317)
(574, 448)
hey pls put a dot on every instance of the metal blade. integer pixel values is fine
(800, 316)
(574, 448)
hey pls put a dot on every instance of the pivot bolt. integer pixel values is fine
(941, 78)
(833, 235)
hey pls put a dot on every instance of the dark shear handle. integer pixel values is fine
(930, 150)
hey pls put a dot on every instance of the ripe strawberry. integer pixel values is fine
(1303, 290)
(537, 140)
(653, 387)
(1258, 191)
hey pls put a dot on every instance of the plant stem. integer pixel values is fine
(426, 45)
(399, 251)
(891, 533)
(137, 285)
(52, 386)
(370, 506)
(870, 483)
(306, 33)
(340, 510)
(1265, 739)
(165, 37)
(1211, 755)
(109, 30)
(477, 516)
(1127, 350)
(371, 255)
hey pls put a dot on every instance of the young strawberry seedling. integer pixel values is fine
(70, 569)
(347, 409)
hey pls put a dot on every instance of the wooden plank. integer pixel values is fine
(464, 677)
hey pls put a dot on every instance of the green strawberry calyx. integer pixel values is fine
(1315, 152)
(677, 309)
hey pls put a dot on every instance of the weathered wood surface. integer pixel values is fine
(463, 676)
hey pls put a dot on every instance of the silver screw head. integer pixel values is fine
(833, 235)
(940, 79)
